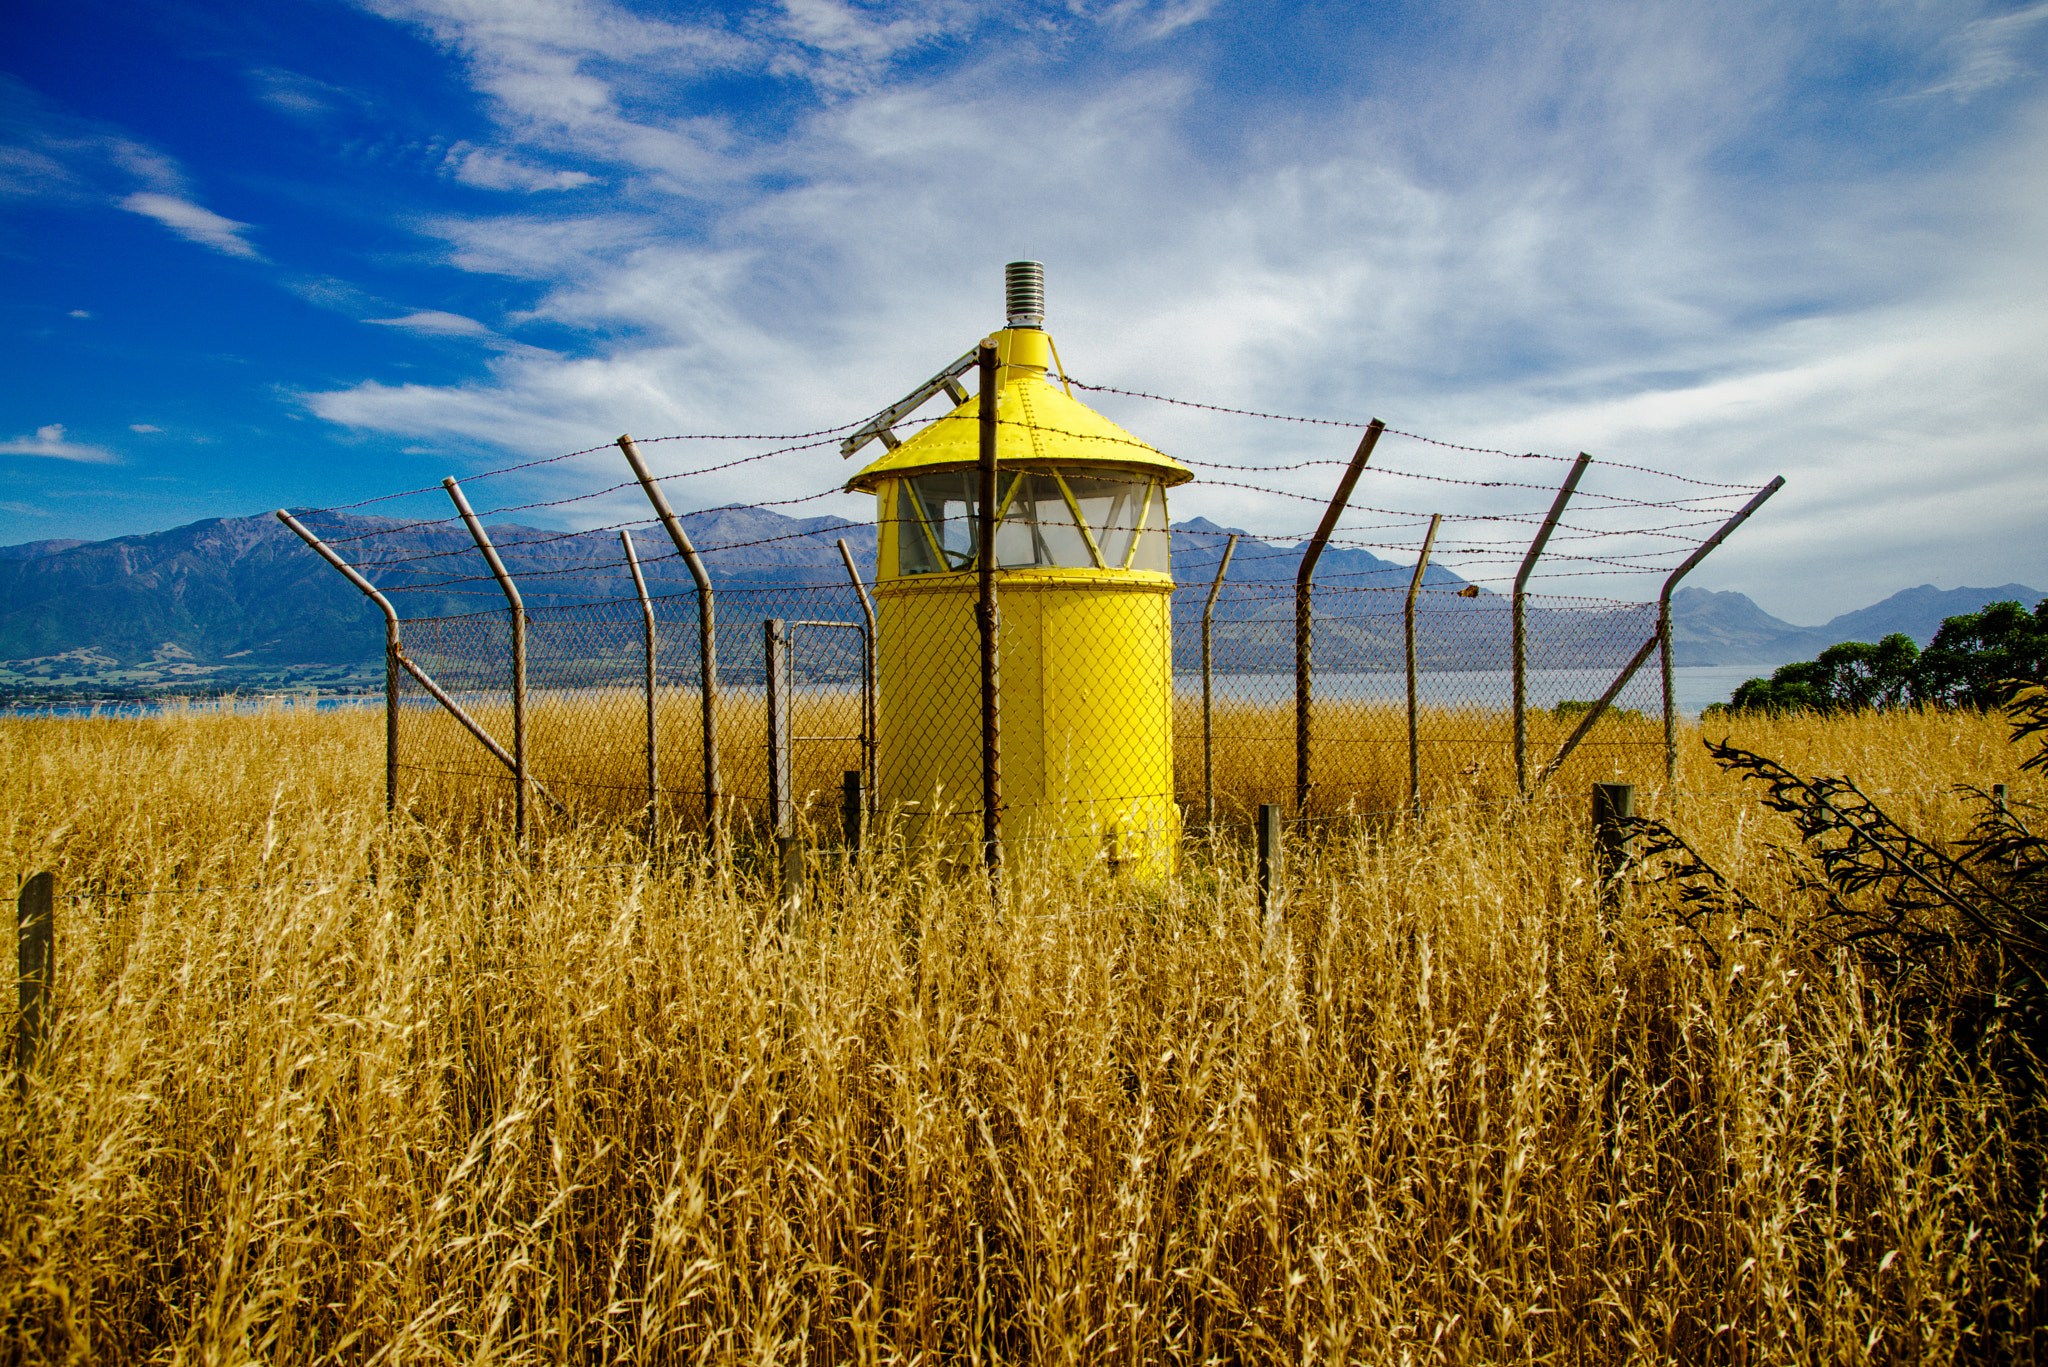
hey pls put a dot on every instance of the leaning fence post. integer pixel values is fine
(648, 640)
(393, 654)
(1614, 806)
(1408, 627)
(1304, 620)
(1208, 702)
(518, 611)
(419, 676)
(35, 930)
(1661, 637)
(707, 628)
(1269, 856)
(1664, 618)
(1521, 639)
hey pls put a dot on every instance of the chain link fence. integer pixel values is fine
(1177, 700)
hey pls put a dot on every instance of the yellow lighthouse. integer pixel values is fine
(1084, 596)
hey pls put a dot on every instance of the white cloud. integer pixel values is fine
(436, 324)
(1555, 238)
(302, 97)
(49, 441)
(497, 171)
(144, 427)
(1986, 52)
(80, 313)
(193, 223)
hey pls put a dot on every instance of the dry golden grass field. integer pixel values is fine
(323, 1089)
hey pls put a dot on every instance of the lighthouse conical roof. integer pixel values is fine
(1036, 423)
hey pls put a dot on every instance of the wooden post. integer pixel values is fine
(1613, 805)
(1269, 856)
(35, 928)
(2001, 797)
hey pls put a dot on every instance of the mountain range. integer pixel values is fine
(241, 602)
(1727, 628)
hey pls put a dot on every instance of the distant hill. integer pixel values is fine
(242, 602)
(29, 550)
(1729, 629)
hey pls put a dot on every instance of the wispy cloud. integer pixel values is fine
(194, 223)
(1580, 224)
(1991, 51)
(436, 324)
(53, 155)
(497, 171)
(49, 441)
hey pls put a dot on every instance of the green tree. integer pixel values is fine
(1975, 655)
(1971, 663)
(1846, 677)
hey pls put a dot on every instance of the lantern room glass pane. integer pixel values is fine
(1114, 510)
(1038, 529)
(937, 528)
(1154, 545)
(935, 531)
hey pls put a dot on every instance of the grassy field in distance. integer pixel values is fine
(327, 1090)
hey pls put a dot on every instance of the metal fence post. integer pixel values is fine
(1408, 629)
(707, 627)
(648, 639)
(35, 930)
(1664, 618)
(1614, 805)
(988, 623)
(393, 651)
(852, 807)
(789, 856)
(1208, 701)
(1304, 619)
(869, 708)
(1269, 869)
(518, 611)
(419, 676)
(1669, 691)
(775, 644)
(1521, 646)
(1660, 637)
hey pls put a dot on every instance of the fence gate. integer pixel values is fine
(820, 688)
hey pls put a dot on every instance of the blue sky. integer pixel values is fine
(311, 252)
